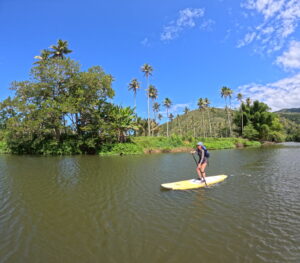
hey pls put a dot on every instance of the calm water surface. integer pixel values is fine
(111, 209)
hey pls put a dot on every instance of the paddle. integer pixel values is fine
(200, 171)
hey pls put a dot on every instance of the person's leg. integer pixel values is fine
(202, 169)
(198, 169)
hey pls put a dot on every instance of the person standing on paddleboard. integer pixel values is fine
(202, 163)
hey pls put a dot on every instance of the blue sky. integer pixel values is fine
(195, 47)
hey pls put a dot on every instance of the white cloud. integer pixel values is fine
(145, 42)
(267, 7)
(284, 93)
(186, 19)
(280, 20)
(207, 25)
(290, 59)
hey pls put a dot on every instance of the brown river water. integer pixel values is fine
(112, 209)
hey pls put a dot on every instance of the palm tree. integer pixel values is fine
(153, 94)
(167, 104)
(60, 50)
(201, 106)
(248, 102)
(186, 110)
(159, 116)
(156, 109)
(240, 99)
(147, 69)
(207, 103)
(134, 85)
(171, 117)
(225, 92)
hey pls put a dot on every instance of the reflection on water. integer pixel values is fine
(68, 172)
(111, 209)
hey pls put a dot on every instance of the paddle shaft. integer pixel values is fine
(200, 170)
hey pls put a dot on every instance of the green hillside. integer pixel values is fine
(205, 123)
(292, 114)
(213, 123)
(291, 110)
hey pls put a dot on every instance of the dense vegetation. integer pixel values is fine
(254, 121)
(64, 110)
(174, 143)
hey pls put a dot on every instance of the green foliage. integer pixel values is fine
(62, 110)
(250, 133)
(159, 142)
(224, 143)
(3, 147)
(258, 122)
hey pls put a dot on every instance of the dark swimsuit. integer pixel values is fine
(199, 152)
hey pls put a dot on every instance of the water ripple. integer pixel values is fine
(111, 209)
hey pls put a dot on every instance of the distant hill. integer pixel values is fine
(289, 110)
(213, 123)
(205, 123)
(292, 114)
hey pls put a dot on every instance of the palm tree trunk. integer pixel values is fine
(149, 132)
(228, 119)
(230, 126)
(242, 119)
(167, 123)
(209, 123)
(203, 126)
(135, 103)
(180, 126)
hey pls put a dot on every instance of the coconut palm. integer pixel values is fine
(179, 123)
(153, 94)
(60, 50)
(201, 106)
(156, 109)
(159, 116)
(147, 69)
(230, 92)
(226, 92)
(167, 104)
(240, 99)
(248, 102)
(134, 85)
(186, 110)
(207, 103)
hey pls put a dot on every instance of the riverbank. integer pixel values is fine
(143, 145)
(149, 145)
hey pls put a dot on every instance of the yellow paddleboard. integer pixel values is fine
(194, 183)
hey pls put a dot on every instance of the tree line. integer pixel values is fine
(62, 109)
